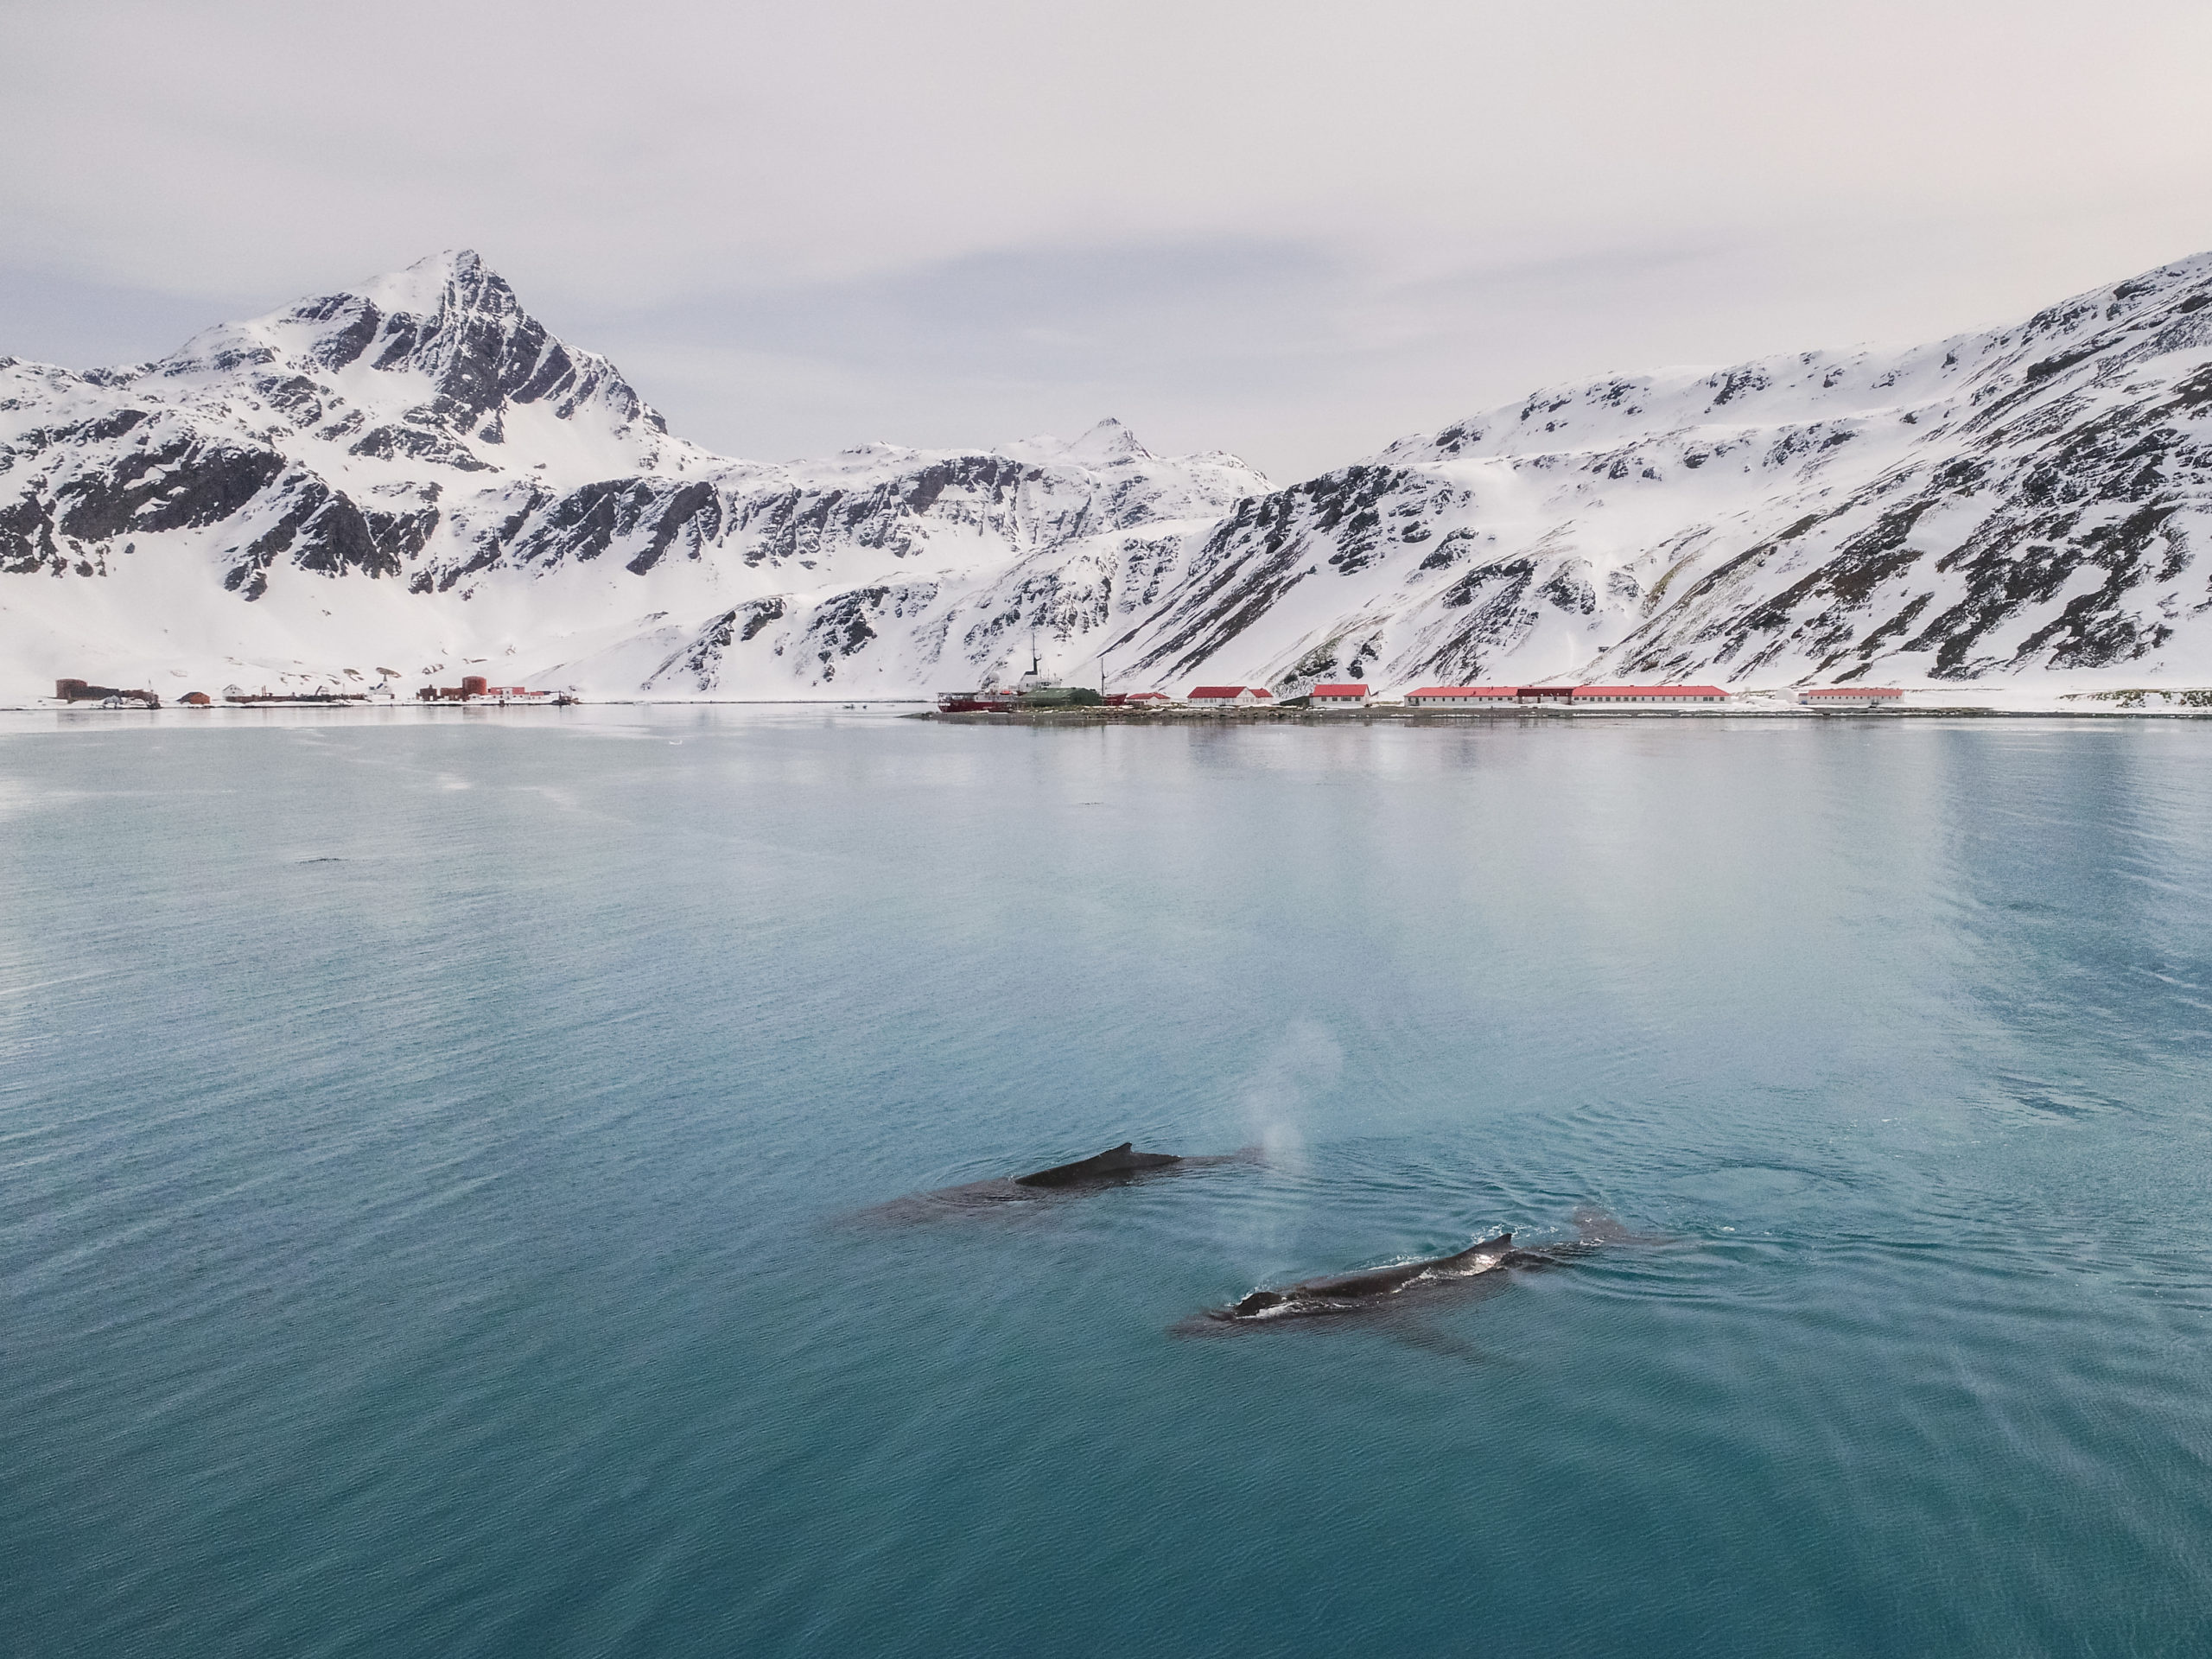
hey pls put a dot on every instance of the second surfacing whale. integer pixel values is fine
(1115, 1166)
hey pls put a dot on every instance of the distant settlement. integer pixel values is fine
(1034, 694)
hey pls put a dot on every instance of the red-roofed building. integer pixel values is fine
(1342, 695)
(1609, 695)
(1451, 696)
(1851, 697)
(1228, 697)
(1136, 699)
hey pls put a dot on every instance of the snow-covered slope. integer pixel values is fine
(2001, 504)
(415, 477)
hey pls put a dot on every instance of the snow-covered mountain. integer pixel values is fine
(415, 477)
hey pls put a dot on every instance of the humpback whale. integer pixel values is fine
(1376, 1288)
(1112, 1168)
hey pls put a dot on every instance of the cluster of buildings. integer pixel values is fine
(1358, 694)
(109, 696)
(1036, 692)
(474, 688)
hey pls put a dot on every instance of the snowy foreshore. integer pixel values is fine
(1979, 701)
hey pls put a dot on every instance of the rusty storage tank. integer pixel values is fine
(473, 686)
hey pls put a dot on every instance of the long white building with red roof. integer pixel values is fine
(1610, 695)
(1851, 697)
(1501, 697)
(1462, 696)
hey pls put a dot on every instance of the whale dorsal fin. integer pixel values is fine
(1098, 1166)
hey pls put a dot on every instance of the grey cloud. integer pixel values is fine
(1294, 230)
(1298, 356)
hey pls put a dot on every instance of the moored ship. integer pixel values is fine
(1034, 690)
(989, 701)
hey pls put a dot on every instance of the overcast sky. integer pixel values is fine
(1294, 231)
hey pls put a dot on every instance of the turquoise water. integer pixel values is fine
(431, 1150)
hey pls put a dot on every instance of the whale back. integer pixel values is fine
(1384, 1281)
(1123, 1160)
(1496, 1246)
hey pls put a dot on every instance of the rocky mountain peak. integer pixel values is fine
(1108, 443)
(454, 321)
(430, 362)
(455, 280)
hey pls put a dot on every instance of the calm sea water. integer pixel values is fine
(430, 1148)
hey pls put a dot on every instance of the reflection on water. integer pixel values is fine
(430, 1155)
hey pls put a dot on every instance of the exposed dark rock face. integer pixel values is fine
(178, 481)
(694, 666)
(28, 546)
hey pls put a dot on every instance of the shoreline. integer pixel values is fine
(2105, 708)
(1460, 718)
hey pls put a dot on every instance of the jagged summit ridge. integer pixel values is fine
(427, 365)
(457, 279)
(415, 467)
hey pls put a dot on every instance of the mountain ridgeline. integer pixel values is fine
(417, 472)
